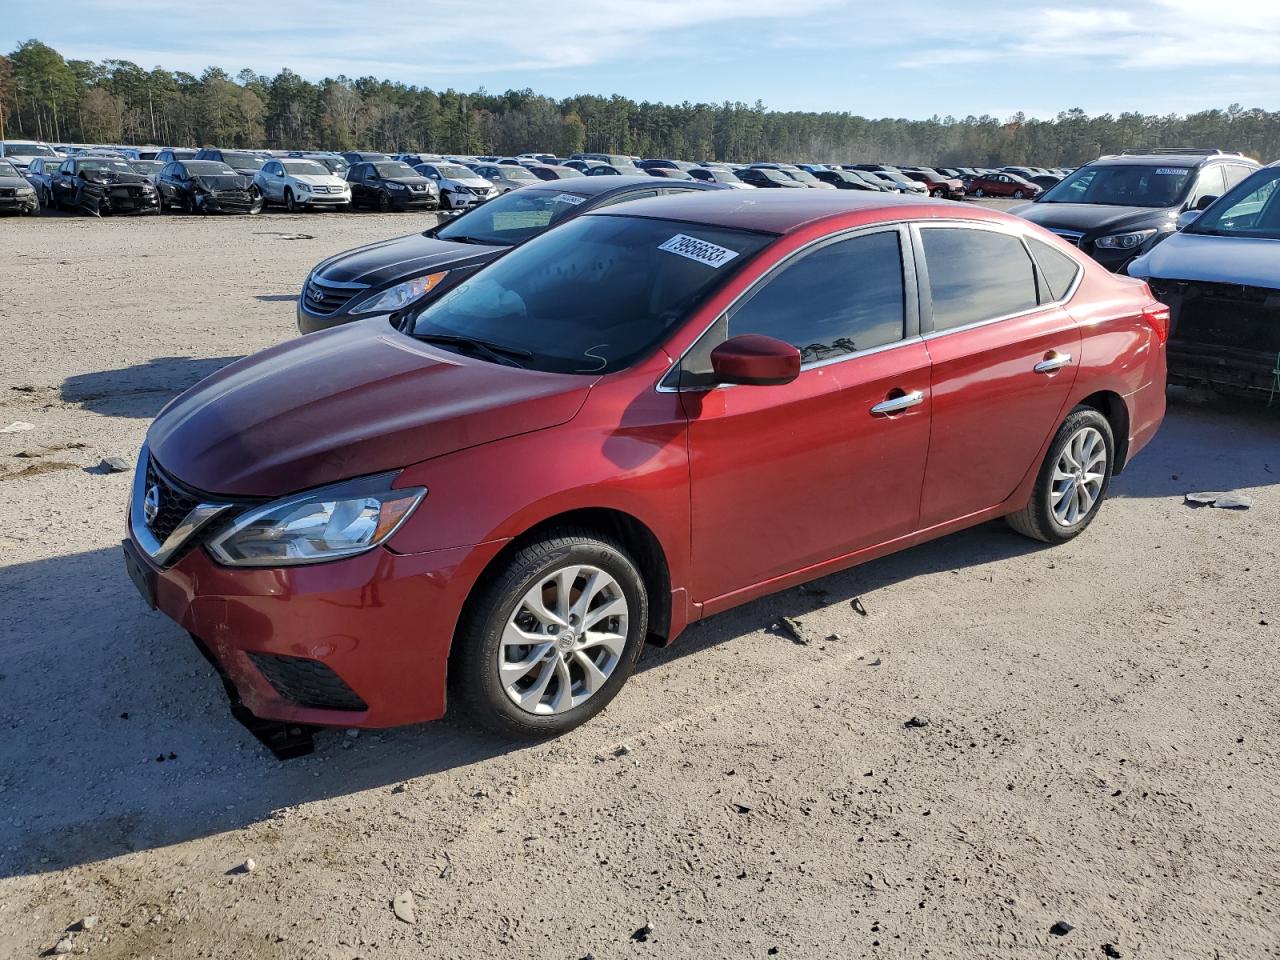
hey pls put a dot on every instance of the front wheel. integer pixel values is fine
(936, 193)
(1018, 194)
(384, 203)
(1072, 482)
(290, 203)
(551, 637)
(257, 202)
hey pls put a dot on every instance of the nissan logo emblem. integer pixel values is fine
(151, 504)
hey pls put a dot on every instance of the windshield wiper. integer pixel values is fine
(485, 243)
(494, 351)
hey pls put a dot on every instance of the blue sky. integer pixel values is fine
(910, 58)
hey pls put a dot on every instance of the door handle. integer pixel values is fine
(1050, 364)
(898, 404)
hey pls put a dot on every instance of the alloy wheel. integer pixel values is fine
(564, 640)
(1078, 476)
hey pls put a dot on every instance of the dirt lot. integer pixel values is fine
(1102, 749)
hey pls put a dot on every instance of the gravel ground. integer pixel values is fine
(1101, 746)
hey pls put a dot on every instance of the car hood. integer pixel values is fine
(1093, 218)
(318, 180)
(223, 181)
(14, 182)
(355, 400)
(468, 181)
(415, 181)
(1247, 261)
(401, 257)
(95, 176)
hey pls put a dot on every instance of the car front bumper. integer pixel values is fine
(27, 204)
(360, 642)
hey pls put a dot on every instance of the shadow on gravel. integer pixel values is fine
(277, 297)
(140, 390)
(1206, 443)
(119, 737)
(95, 689)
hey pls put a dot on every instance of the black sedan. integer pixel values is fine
(102, 186)
(768, 177)
(391, 185)
(205, 186)
(16, 195)
(389, 276)
(844, 180)
(241, 161)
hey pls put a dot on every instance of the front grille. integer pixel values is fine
(1070, 236)
(8, 192)
(1223, 314)
(308, 683)
(232, 196)
(175, 502)
(321, 297)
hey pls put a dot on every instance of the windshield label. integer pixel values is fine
(699, 250)
(1172, 172)
(569, 198)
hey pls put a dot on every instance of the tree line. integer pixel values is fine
(44, 96)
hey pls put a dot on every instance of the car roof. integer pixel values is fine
(1166, 159)
(591, 186)
(783, 211)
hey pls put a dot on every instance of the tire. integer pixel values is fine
(384, 203)
(290, 203)
(1018, 195)
(937, 194)
(258, 203)
(500, 608)
(1076, 440)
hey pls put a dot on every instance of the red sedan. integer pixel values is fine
(1003, 185)
(503, 496)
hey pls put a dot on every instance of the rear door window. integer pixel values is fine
(976, 275)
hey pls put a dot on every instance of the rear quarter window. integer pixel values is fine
(976, 275)
(1057, 270)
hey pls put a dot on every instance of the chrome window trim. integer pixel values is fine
(910, 305)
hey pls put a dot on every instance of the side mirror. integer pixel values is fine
(1187, 218)
(1204, 202)
(755, 360)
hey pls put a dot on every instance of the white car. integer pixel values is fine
(1219, 275)
(301, 184)
(460, 187)
(22, 152)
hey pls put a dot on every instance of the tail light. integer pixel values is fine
(1157, 315)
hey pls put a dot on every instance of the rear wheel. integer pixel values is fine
(979, 193)
(1018, 194)
(550, 638)
(1072, 482)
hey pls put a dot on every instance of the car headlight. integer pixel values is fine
(399, 296)
(396, 186)
(1125, 241)
(26, 191)
(329, 523)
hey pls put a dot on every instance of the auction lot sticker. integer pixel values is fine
(1172, 172)
(570, 198)
(699, 250)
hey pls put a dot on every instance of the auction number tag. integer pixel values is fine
(572, 199)
(700, 250)
(1172, 172)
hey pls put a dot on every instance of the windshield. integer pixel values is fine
(566, 173)
(724, 176)
(452, 171)
(803, 176)
(183, 154)
(7, 169)
(516, 173)
(146, 166)
(512, 218)
(245, 161)
(594, 295)
(1250, 209)
(393, 169)
(105, 166)
(207, 168)
(304, 168)
(29, 150)
(334, 164)
(1123, 185)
